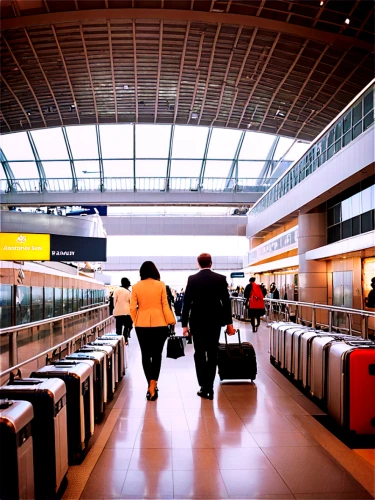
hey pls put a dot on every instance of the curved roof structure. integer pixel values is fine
(284, 67)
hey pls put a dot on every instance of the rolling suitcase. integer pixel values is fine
(49, 429)
(99, 383)
(351, 386)
(288, 347)
(274, 339)
(16, 444)
(121, 353)
(78, 401)
(115, 347)
(107, 350)
(236, 361)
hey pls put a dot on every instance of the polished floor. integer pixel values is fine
(254, 441)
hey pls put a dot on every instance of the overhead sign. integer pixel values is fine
(76, 248)
(237, 275)
(26, 246)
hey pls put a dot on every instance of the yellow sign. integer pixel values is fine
(24, 246)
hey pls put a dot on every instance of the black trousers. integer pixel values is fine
(123, 325)
(151, 341)
(206, 341)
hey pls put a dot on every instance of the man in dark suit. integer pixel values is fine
(206, 309)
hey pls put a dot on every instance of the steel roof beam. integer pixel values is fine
(101, 168)
(25, 78)
(89, 73)
(169, 161)
(4, 120)
(181, 72)
(8, 172)
(66, 72)
(71, 160)
(159, 71)
(234, 166)
(39, 164)
(16, 98)
(185, 15)
(112, 67)
(204, 160)
(135, 71)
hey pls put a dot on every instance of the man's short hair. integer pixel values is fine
(204, 260)
(252, 280)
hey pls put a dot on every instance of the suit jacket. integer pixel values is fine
(149, 304)
(206, 300)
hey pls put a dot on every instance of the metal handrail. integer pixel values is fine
(66, 343)
(25, 326)
(278, 303)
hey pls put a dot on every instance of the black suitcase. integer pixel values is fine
(236, 361)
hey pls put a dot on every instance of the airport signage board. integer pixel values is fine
(27, 246)
(237, 275)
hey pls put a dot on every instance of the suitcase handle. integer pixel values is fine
(239, 341)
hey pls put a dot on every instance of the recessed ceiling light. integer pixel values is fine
(194, 116)
(125, 87)
(321, 3)
(347, 21)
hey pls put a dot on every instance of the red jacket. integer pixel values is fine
(256, 300)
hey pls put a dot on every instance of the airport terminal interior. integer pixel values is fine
(159, 130)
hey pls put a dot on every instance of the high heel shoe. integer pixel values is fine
(148, 395)
(153, 390)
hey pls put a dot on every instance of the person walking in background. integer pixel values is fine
(121, 311)
(275, 294)
(264, 289)
(206, 309)
(254, 295)
(370, 299)
(169, 296)
(110, 303)
(151, 315)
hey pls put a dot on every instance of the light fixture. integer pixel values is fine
(194, 116)
(72, 107)
(280, 113)
(347, 21)
(125, 87)
(28, 112)
(321, 3)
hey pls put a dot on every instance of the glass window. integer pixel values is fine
(116, 141)
(357, 113)
(282, 147)
(37, 303)
(24, 170)
(152, 141)
(75, 300)
(256, 146)
(368, 120)
(217, 168)
(334, 233)
(356, 204)
(148, 168)
(70, 300)
(297, 151)
(368, 103)
(223, 143)
(65, 301)
(189, 142)
(186, 168)
(347, 229)
(338, 132)
(48, 301)
(87, 169)
(368, 199)
(337, 213)
(367, 221)
(50, 144)
(57, 169)
(16, 146)
(346, 209)
(58, 302)
(347, 122)
(83, 142)
(6, 292)
(23, 305)
(118, 168)
(249, 169)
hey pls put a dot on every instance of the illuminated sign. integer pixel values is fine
(237, 275)
(24, 246)
(60, 248)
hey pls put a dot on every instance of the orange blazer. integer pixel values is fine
(149, 304)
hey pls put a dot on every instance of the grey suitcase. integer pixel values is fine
(109, 365)
(121, 351)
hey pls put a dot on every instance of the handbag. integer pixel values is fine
(175, 346)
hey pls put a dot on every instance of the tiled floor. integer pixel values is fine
(253, 441)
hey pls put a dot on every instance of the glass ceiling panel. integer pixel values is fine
(147, 168)
(223, 143)
(24, 170)
(282, 147)
(189, 141)
(256, 146)
(116, 141)
(16, 146)
(87, 168)
(186, 168)
(249, 169)
(57, 169)
(82, 140)
(118, 168)
(152, 141)
(2, 173)
(217, 168)
(150, 210)
(50, 144)
(297, 151)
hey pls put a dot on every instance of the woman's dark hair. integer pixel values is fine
(125, 282)
(149, 270)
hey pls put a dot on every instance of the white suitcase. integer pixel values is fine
(121, 354)
(115, 346)
(16, 457)
(109, 372)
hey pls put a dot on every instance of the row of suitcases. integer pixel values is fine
(46, 420)
(337, 370)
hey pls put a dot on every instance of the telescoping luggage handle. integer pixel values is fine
(239, 342)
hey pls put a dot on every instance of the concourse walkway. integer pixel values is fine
(257, 441)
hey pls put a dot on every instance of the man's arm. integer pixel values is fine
(227, 309)
(186, 309)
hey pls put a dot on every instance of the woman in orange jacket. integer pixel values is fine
(151, 316)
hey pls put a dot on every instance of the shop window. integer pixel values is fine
(36, 303)
(6, 293)
(23, 305)
(58, 302)
(48, 301)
